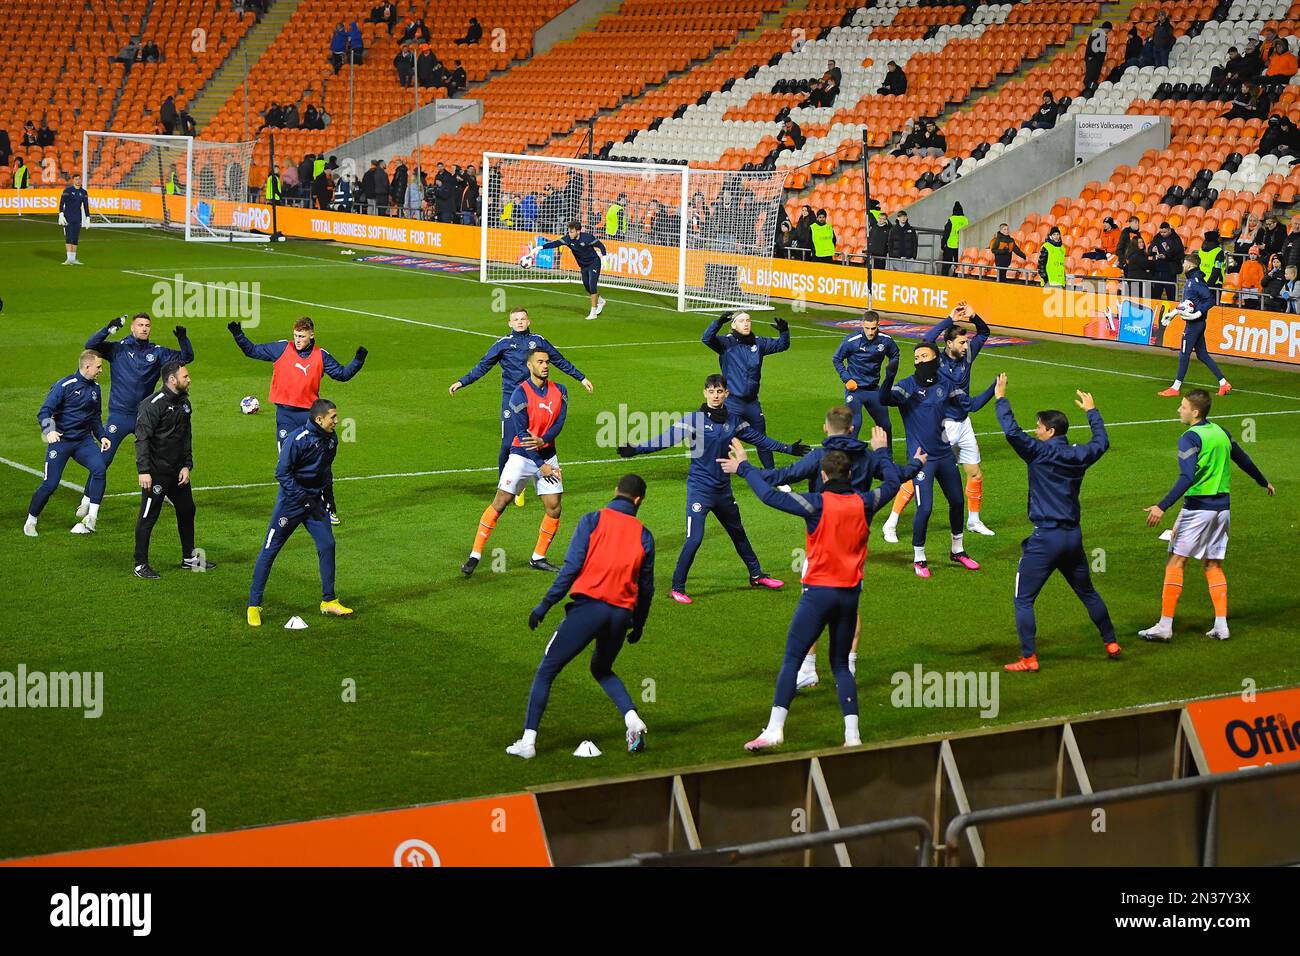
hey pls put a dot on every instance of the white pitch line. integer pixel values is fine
(39, 474)
(589, 461)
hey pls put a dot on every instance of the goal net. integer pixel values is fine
(669, 230)
(176, 182)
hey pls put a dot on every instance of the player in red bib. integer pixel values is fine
(838, 523)
(537, 409)
(609, 574)
(296, 377)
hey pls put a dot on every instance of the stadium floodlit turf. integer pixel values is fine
(251, 726)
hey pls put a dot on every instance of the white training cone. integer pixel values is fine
(295, 623)
(587, 749)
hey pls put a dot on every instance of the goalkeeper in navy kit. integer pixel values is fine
(587, 250)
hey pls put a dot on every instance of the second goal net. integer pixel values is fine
(691, 234)
(179, 183)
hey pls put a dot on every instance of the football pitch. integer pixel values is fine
(200, 712)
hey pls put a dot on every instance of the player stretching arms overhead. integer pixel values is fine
(610, 574)
(538, 408)
(1198, 300)
(1201, 529)
(587, 250)
(708, 488)
(511, 351)
(740, 357)
(863, 467)
(955, 360)
(838, 521)
(304, 471)
(1056, 470)
(295, 380)
(136, 363)
(858, 361)
(923, 399)
(71, 426)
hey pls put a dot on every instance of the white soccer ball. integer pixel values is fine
(249, 405)
(526, 261)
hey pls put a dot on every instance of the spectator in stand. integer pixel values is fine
(152, 54)
(1282, 63)
(404, 64)
(187, 125)
(1230, 71)
(425, 66)
(803, 227)
(784, 242)
(377, 194)
(472, 35)
(528, 212)
(878, 229)
(790, 137)
(1165, 255)
(459, 80)
(273, 117)
(291, 120)
(1291, 291)
(1162, 38)
(1045, 118)
(342, 195)
(356, 44)
(445, 193)
(322, 190)
(1252, 101)
(1246, 237)
(951, 244)
(1250, 280)
(397, 187)
(1095, 56)
(1105, 247)
(823, 238)
(385, 13)
(1274, 281)
(339, 47)
(1004, 246)
(1051, 260)
(1252, 62)
(1272, 238)
(414, 200)
(167, 116)
(311, 118)
(1137, 265)
(819, 94)
(909, 138)
(469, 196)
(29, 134)
(1131, 229)
(902, 240)
(933, 142)
(1291, 248)
(289, 181)
(1133, 47)
(895, 81)
(6, 147)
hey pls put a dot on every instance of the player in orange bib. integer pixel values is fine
(295, 379)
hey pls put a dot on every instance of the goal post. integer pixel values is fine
(695, 235)
(178, 183)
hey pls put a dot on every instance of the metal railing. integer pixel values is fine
(1090, 801)
(731, 855)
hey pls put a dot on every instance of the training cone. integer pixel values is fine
(587, 749)
(295, 623)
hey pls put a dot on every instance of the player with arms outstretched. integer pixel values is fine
(838, 523)
(740, 358)
(587, 250)
(609, 573)
(538, 409)
(1205, 453)
(709, 431)
(295, 380)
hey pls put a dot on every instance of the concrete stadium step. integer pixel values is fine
(229, 77)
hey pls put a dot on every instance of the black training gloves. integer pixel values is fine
(235, 328)
(799, 448)
(781, 324)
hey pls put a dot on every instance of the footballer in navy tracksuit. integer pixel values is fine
(1056, 470)
(740, 357)
(923, 399)
(587, 250)
(304, 471)
(838, 520)
(71, 423)
(74, 211)
(136, 363)
(608, 573)
(709, 431)
(1198, 300)
(511, 351)
(957, 355)
(858, 361)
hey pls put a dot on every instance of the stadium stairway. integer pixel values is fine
(607, 9)
(230, 75)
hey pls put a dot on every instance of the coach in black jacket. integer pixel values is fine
(164, 457)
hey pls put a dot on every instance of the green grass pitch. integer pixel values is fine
(202, 712)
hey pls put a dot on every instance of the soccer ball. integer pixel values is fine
(249, 405)
(525, 261)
